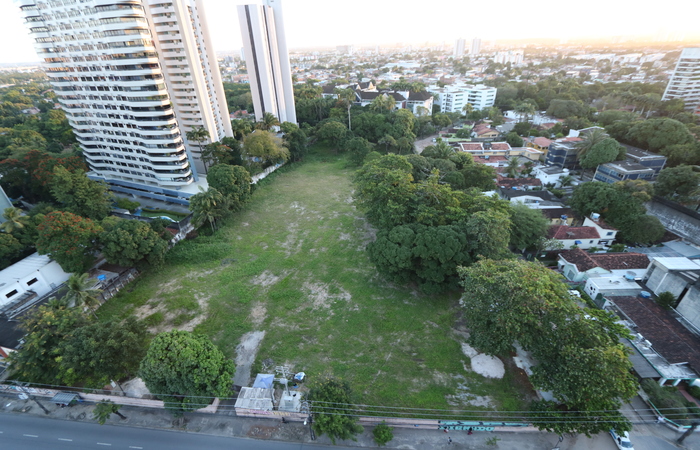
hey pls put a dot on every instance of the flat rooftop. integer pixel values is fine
(677, 263)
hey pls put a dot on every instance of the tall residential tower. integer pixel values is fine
(133, 76)
(267, 60)
(685, 81)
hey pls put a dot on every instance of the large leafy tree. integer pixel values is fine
(658, 133)
(265, 146)
(185, 370)
(333, 133)
(678, 183)
(69, 239)
(479, 176)
(528, 226)
(47, 327)
(517, 301)
(10, 249)
(130, 242)
(588, 141)
(332, 411)
(233, 182)
(602, 152)
(101, 352)
(79, 194)
(295, 140)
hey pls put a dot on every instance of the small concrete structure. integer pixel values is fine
(28, 280)
(674, 275)
(611, 286)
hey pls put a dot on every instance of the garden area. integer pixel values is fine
(291, 273)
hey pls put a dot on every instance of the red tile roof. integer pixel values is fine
(610, 261)
(566, 232)
(489, 159)
(516, 182)
(570, 139)
(541, 141)
(500, 146)
(471, 146)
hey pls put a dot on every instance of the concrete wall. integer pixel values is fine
(690, 306)
(676, 220)
(662, 281)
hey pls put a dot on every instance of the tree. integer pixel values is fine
(10, 249)
(383, 103)
(331, 400)
(267, 121)
(81, 195)
(658, 133)
(183, 369)
(525, 109)
(358, 148)
(208, 206)
(513, 167)
(82, 291)
(265, 147)
(600, 153)
(233, 182)
(14, 220)
(296, 141)
(388, 142)
(677, 183)
(104, 409)
(333, 133)
(69, 239)
(241, 127)
(218, 153)
(666, 300)
(382, 434)
(563, 109)
(198, 135)
(480, 176)
(528, 226)
(522, 128)
(514, 140)
(590, 139)
(100, 352)
(132, 242)
(46, 327)
(643, 229)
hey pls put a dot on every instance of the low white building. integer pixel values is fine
(31, 278)
(550, 174)
(453, 98)
(614, 286)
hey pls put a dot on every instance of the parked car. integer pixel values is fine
(622, 440)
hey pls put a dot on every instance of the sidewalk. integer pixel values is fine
(227, 424)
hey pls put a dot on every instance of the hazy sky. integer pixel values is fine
(331, 22)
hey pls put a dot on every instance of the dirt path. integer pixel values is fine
(245, 356)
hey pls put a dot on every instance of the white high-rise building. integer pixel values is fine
(459, 48)
(133, 76)
(685, 81)
(476, 46)
(511, 56)
(453, 98)
(267, 60)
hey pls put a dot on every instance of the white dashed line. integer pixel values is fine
(135, 447)
(30, 435)
(102, 443)
(67, 440)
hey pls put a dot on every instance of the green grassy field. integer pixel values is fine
(293, 264)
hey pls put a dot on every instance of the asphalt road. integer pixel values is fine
(31, 433)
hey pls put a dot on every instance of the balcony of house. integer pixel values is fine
(162, 9)
(167, 27)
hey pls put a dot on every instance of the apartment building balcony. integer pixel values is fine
(166, 28)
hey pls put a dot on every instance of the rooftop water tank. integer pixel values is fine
(645, 294)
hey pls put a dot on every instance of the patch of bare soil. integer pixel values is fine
(258, 313)
(267, 279)
(320, 296)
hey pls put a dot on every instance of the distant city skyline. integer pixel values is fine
(313, 22)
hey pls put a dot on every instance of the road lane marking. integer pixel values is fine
(102, 443)
(135, 447)
(30, 435)
(67, 440)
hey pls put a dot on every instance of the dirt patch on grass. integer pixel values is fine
(267, 279)
(320, 296)
(258, 313)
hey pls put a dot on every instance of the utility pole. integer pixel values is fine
(31, 397)
(690, 431)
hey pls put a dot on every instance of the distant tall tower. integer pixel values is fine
(685, 81)
(459, 48)
(132, 89)
(476, 46)
(267, 60)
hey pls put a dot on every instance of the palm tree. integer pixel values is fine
(525, 109)
(590, 139)
(82, 291)
(267, 121)
(198, 135)
(467, 108)
(512, 167)
(14, 220)
(241, 127)
(346, 97)
(207, 206)
(566, 180)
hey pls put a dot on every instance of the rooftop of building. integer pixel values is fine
(500, 146)
(671, 249)
(552, 170)
(510, 183)
(541, 141)
(636, 152)
(676, 263)
(22, 268)
(667, 335)
(471, 146)
(565, 232)
(610, 261)
(627, 167)
(556, 213)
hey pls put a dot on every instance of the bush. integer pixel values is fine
(382, 434)
(694, 391)
(125, 203)
(666, 300)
